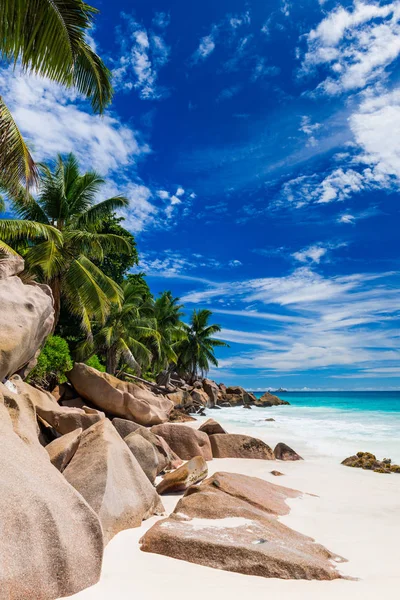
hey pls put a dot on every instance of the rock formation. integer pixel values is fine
(192, 472)
(234, 445)
(284, 452)
(185, 441)
(368, 461)
(269, 399)
(111, 480)
(210, 427)
(26, 319)
(219, 528)
(120, 398)
(51, 540)
(62, 449)
(145, 453)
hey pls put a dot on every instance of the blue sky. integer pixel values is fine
(258, 143)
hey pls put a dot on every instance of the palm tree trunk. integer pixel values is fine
(55, 286)
(111, 361)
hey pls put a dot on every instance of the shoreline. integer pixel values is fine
(352, 512)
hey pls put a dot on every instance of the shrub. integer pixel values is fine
(94, 362)
(53, 362)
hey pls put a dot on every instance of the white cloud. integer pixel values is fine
(348, 321)
(206, 46)
(144, 53)
(163, 194)
(179, 192)
(356, 45)
(56, 120)
(235, 263)
(310, 254)
(171, 263)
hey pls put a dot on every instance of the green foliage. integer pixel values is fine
(53, 362)
(95, 362)
(115, 265)
(47, 39)
(196, 351)
(58, 236)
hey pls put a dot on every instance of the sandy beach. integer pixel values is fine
(354, 513)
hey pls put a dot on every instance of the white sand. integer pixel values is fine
(354, 513)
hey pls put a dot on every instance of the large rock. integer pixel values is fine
(210, 427)
(125, 427)
(237, 396)
(263, 495)
(167, 459)
(120, 398)
(235, 445)
(192, 472)
(212, 390)
(145, 454)
(10, 264)
(26, 319)
(269, 399)
(199, 397)
(111, 480)
(284, 452)
(185, 441)
(51, 542)
(62, 418)
(368, 461)
(63, 449)
(235, 528)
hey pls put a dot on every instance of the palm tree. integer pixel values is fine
(167, 313)
(126, 334)
(58, 238)
(47, 38)
(196, 352)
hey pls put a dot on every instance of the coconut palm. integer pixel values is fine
(127, 333)
(47, 38)
(196, 352)
(58, 236)
(168, 313)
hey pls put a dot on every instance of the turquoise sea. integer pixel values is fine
(335, 424)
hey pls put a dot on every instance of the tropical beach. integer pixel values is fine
(349, 511)
(199, 299)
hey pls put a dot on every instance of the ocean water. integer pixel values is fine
(326, 424)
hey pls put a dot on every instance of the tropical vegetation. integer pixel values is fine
(71, 237)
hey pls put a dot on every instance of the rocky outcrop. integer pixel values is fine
(368, 461)
(167, 459)
(185, 441)
(284, 452)
(210, 427)
(269, 399)
(228, 528)
(107, 475)
(62, 418)
(234, 445)
(192, 472)
(26, 319)
(212, 390)
(51, 540)
(237, 396)
(62, 449)
(145, 454)
(120, 398)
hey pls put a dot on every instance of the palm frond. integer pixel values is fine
(49, 257)
(101, 210)
(14, 230)
(48, 37)
(85, 285)
(16, 162)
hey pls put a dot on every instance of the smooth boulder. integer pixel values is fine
(212, 391)
(62, 449)
(120, 398)
(185, 441)
(51, 541)
(191, 473)
(111, 480)
(235, 445)
(145, 454)
(269, 399)
(62, 418)
(210, 427)
(284, 452)
(215, 528)
(26, 319)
